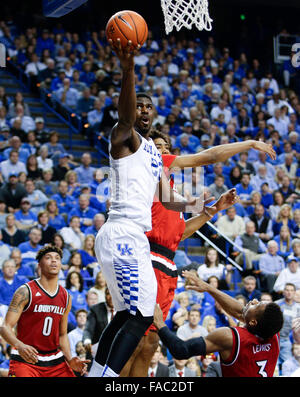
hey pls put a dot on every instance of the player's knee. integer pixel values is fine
(151, 344)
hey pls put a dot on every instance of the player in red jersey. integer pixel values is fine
(40, 308)
(169, 228)
(249, 351)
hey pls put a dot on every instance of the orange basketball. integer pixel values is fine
(127, 25)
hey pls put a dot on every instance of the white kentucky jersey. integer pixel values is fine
(133, 184)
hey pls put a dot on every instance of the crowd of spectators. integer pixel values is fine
(203, 97)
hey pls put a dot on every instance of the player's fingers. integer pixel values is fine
(209, 200)
(128, 48)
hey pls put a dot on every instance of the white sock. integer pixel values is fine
(109, 373)
(96, 370)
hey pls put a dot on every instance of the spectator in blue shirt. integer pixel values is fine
(87, 76)
(244, 189)
(59, 242)
(285, 217)
(98, 201)
(21, 269)
(37, 198)
(9, 281)
(222, 318)
(87, 252)
(25, 218)
(95, 115)
(15, 144)
(85, 171)
(84, 212)
(64, 201)
(85, 104)
(162, 108)
(270, 265)
(55, 148)
(76, 264)
(67, 95)
(45, 42)
(30, 248)
(58, 82)
(292, 364)
(266, 195)
(284, 242)
(183, 143)
(75, 287)
(249, 290)
(98, 222)
(55, 219)
(12, 166)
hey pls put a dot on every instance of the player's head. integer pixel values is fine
(161, 141)
(144, 113)
(263, 319)
(49, 260)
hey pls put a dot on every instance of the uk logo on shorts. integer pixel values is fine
(124, 249)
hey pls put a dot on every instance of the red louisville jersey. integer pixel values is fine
(167, 226)
(39, 323)
(251, 356)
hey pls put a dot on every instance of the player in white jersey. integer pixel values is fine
(121, 245)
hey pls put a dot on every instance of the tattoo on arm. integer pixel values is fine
(19, 300)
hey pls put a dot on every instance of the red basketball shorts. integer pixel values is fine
(25, 370)
(166, 285)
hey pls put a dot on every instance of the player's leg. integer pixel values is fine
(166, 286)
(142, 361)
(105, 342)
(125, 373)
(125, 343)
(125, 255)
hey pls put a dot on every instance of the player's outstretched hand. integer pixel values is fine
(265, 147)
(227, 199)
(158, 319)
(197, 205)
(79, 365)
(125, 54)
(195, 282)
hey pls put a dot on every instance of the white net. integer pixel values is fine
(186, 13)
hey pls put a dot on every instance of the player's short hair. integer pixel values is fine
(45, 250)
(155, 134)
(144, 95)
(270, 321)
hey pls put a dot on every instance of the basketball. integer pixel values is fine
(127, 25)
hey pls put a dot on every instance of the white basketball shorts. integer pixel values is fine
(123, 252)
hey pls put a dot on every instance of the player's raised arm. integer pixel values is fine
(15, 309)
(127, 100)
(219, 340)
(229, 304)
(225, 201)
(221, 153)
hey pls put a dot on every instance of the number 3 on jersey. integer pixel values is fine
(47, 326)
(262, 365)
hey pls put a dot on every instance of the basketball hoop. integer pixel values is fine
(186, 13)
